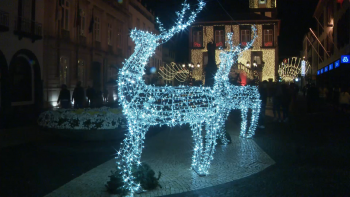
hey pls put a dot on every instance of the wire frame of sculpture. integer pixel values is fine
(291, 69)
(174, 71)
(146, 105)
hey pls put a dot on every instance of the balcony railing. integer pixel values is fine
(28, 28)
(4, 21)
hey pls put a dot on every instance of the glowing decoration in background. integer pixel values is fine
(174, 71)
(291, 68)
(321, 70)
(146, 105)
(345, 59)
(326, 69)
(303, 64)
(318, 72)
(153, 70)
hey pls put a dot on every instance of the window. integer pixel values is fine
(320, 28)
(257, 59)
(197, 37)
(64, 64)
(109, 34)
(97, 29)
(268, 37)
(219, 38)
(262, 1)
(65, 15)
(138, 23)
(82, 22)
(245, 37)
(119, 34)
(330, 44)
(27, 9)
(330, 7)
(81, 71)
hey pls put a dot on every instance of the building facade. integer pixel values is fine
(84, 40)
(264, 52)
(21, 54)
(327, 47)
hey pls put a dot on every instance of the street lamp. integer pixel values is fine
(198, 65)
(183, 65)
(254, 64)
(248, 64)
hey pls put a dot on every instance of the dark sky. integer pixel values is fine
(296, 18)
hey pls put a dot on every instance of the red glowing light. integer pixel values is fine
(196, 44)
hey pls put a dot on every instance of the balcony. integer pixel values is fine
(82, 40)
(4, 21)
(28, 29)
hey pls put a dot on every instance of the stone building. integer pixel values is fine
(84, 40)
(21, 55)
(214, 28)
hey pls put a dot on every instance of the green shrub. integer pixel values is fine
(143, 174)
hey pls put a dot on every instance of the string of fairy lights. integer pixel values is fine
(147, 105)
(174, 71)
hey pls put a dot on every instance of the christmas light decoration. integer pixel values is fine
(146, 105)
(291, 68)
(174, 71)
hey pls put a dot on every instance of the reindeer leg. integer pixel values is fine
(244, 114)
(254, 121)
(130, 154)
(198, 146)
(206, 155)
(222, 131)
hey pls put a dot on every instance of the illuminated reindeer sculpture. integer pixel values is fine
(147, 105)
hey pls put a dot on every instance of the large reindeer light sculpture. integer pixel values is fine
(146, 105)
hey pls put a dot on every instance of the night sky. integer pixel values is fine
(296, 18)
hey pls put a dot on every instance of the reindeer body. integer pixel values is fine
(146, 105)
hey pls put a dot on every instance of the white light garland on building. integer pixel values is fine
(146, 105)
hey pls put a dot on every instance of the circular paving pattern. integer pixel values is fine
(170, 152)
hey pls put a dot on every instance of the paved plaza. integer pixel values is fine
(308, 156)
(170, 152)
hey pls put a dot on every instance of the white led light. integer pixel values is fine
(146, 105)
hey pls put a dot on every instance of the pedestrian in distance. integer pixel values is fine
(64, 97)
(263, 90)
(78, 96)
(344, 100)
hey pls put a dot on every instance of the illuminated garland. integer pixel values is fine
(146, 105)
(174, 71)
(290, 68)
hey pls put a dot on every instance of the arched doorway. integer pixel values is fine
(25, 80)
(4, 93)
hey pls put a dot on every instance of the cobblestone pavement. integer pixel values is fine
(170, 152)
(310, 153)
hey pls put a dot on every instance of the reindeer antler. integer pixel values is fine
(180, 23)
